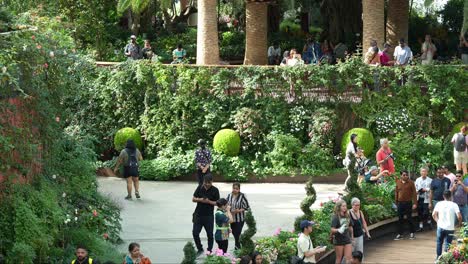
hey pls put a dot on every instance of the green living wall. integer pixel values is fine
(290, 119)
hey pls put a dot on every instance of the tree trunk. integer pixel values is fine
(373, 24)
(342, 20)
(465, 18)
(134, 22)
(207, 33)
(256, 45)
(397, 21)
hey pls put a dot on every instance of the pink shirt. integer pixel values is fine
(451, 176)
(384, 59)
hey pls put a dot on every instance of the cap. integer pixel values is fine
(306, 223)
(133, 37)
(373, 168)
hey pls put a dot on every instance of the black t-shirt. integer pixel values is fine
(357, 225)
(212, 194)
(345, 238)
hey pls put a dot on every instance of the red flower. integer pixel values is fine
(33, 37)
(46, 65)
(95, 213)
(106, 236)
(38, 46)
(321, 204)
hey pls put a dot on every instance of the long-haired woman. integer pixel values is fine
(342, 231)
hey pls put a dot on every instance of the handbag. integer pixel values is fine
(297, 259)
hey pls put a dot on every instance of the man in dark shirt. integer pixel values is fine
(203, 161)
(438, 186)
(205, 196)
(82, 256)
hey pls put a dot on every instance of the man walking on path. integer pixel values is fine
(438, 186)
(460, 150)
(205, 196)
(203, 161)
(405, 198)
(423, 187)
(384, 157)
(444, 214)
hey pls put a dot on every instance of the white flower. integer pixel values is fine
(64, 52)
(54, 176)
(4, 69)
(51, 54)
(64, 195)
(76, 211)
(76, 218)
(25, 47)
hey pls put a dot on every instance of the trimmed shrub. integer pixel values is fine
(125, 134)
(365, 140)
(456, 128)
(190, 254)
(227, 141)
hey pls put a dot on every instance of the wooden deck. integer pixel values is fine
(386, 250)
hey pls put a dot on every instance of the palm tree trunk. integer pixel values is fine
(207, 33)
(397, 21)
(256, 45)
(373, 23)
(465, 18)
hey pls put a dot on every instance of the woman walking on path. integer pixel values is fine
(239, 204)
(135, 256)
(342, 231)
(130, 157)
(351, 151)
(360, 225)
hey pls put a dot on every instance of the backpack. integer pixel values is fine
(460, 143)
(132, 159)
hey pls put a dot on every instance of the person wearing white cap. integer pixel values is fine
(132, 50)
(305, 250)
(373, 175)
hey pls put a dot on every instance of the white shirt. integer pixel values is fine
(429, 49)
(350, 151)
(423, 184)
(447, 211)
(304, 244)
(401, 55)
(274, 52)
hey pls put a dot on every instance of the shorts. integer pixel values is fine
(130, 172)
(460, 157)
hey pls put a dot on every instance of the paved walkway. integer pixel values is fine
(386, 250)
(161, 220)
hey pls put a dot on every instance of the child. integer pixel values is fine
(223, 218)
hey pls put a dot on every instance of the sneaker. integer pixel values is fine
(398, 237)
(420, 229)
(411, 236)
(128, 197)
(199, 253)
(137, 195)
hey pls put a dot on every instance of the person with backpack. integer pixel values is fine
(130, 157)
(82, 257)
(460, 151)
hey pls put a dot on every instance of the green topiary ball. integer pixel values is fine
(457, 127)
(124, 134)
(227, 141)
(365, 140)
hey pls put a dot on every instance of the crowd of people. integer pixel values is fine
(134, 52)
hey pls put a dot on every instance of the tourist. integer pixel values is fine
(373, 44)
(361, 165)
(285, 59)
(423, 187)
(312, 51)
(384, 57)
(135, 256)
(373, 176)
(257, 258)
(223, 218)
(202, 161)
(350, 154)
(428, 50)
(305, 249)
(406, 200)
(463, 46)
(372, 57)
(82, 257)
(147, 52)
(444, 214)
(340, 51)
(341, 229)
(205, 196)
(246, 260)
(460, 192)
(357, 257)
(178, 55)
(460, 149)
(295, 59)
(327, 52)
(359, 226)
(274, 54)
(448, 174)
(402, 54)
(132, 50)
(239, 204)
(130, 157)
(438, 186)
(384, 157)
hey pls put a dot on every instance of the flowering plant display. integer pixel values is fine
(457, 254)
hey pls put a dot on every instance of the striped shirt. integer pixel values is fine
(239, 202)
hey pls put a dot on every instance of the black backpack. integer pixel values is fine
(132, 158)
(460, 143)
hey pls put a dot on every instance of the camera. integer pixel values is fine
(391, 156)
